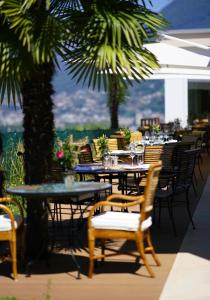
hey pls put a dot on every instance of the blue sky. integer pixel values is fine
(159, 4)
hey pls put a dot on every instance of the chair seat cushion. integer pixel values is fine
(5, 222)
(114, 220)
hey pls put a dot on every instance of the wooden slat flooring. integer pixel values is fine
(116, 279)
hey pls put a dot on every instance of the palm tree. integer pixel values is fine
(94, 38)
(116, 95)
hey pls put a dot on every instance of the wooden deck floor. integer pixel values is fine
(116, 279)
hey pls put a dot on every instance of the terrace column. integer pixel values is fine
(176, 100)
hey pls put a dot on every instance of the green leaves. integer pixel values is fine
(95, 39)
(112, 38)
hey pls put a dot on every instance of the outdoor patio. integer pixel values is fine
(121, 278)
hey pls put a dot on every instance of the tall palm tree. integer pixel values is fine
(95, 39)
(117, 92)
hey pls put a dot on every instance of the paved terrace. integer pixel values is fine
(184, 274)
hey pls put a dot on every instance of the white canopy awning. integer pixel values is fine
(179, 63)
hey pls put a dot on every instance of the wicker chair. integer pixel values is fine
(135, 136)
(10, 225)
(125, 225)
(180, 183)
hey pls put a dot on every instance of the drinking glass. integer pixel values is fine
(106, 160)
(132, 155)
(140, 159)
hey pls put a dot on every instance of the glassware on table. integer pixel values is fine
(114, 161)
(132, 155)
(69, 181)
(106, 160)
(140, 158)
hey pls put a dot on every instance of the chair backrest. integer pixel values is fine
(151, 186)
(167, 155)
(85, 154)
(179, 149)
(152, 154)
(112, 144)
(185, 169)
(150, 121)
(96, 147)
(136, 136)
(190, 138)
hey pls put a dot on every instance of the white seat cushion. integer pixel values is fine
(5, 222)
(120, 221)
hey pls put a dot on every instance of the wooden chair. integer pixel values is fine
(152, 153)
(135, 136)
(150, 121)
(10, 224)
(125, 225)
(112, 144)
(85, 154)
(96, 149)
(136, 184)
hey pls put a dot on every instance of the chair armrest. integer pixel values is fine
(134, 200)
(8, 212)
(124, 197)
(13, 200)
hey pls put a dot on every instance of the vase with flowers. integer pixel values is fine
(64, 154)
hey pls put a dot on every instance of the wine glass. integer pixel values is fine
(132, 155)
(106, 157)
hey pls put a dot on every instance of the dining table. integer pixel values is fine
(45, 192)
(121, 171)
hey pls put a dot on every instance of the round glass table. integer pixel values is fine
(37, 196)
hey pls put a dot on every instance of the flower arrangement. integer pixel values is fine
(64, 153)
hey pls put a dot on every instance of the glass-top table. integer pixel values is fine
(58, 189)
(37, 196)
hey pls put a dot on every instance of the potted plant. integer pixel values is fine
(127, 135)
(102, 144)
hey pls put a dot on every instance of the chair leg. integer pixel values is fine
(188, 209)
(199, 165)
(91, 243)
(103, 249)
(151, 248)
(13, 250)
(159, 211)
(171, 215)
(140, 247)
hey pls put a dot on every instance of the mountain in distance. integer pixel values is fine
(187, 14)
(76, 104)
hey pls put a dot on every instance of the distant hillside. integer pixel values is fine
(77, 104)
(188, 14)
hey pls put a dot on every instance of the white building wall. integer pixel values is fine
(176, 100)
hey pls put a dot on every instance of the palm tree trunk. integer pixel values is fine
(114, 102)
(38, 144)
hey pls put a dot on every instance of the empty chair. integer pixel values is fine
(10, 224)
(180, 183)
(112, 144)
(85, 154)
(149, 122)
(152, 153)
(190, 138)
(125, 225)
(96, 149)
(135, 136)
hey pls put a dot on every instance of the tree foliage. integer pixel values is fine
(94, 38)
